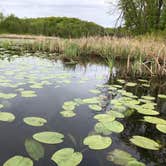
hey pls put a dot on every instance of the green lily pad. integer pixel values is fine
(154, 120)
(114, 126)
(67, 157)
(35, 121)
(28, 94)
(147, 111)
(116, 114)
(148, 97)
(131, 84)
(101, 129)
(18, 161)
(1, 106)
(121, 81)
(161, 127)
(162, 96)
(49, 137)
(97, 142)
(7, 95)
(6, 117)
(93, 100)
(104, 118)
(34, 149)
(68, 114)
(95, 107)
(69, 106)
(146, 85)
(123, 158)
(145, 143)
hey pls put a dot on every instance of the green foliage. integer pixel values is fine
(143, 16)
(50, 26)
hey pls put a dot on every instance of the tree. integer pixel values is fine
(142, 16)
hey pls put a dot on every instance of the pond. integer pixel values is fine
(47, 106)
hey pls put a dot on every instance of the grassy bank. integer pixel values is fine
(139, 54)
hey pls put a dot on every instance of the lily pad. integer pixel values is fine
(114, 126)
(34, 149)
(68, 114)
(116, 114)
(1, 106)
(161, 127)
(154, 120)
(35, 121)
(147, 111)
(131, 84)
(101, 129)
(93, 100)
(28, 94)
(97, 142)
(67, 157)
(7, 95)
(104, 118)
(49, 137)
(148, 97)
(18, 161)
(123, 158)
(6, 117)
(145, 143)
(95, 107)
(162, 96)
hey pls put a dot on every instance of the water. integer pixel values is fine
(63, 83)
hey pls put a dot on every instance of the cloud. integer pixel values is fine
(91, 10)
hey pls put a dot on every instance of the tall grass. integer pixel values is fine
(138, 53)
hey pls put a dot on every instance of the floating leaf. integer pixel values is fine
(1, 106)
(145, 111)
(116, 114)
(35, 121)
(131, 84)
(6, 117)
(67, 157)
(18, 161)
(95, 107)
(162, 96)
(148, 97)
(161, 127)
(93, 100)
(101, 129)
(121, 81)
(34, 149)
(123, 158)
(104, 118)
(28, 94)
(49, 137)
(7, 95)
(154, 120)
(114, 126)
(97, 142)
(69, 106)
(68, 114)
(145, 143)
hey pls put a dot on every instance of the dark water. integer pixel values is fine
(65, 84)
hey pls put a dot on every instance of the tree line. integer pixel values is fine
(50, 26)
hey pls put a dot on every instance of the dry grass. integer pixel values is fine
(150, 52)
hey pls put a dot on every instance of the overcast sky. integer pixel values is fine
(92, 10)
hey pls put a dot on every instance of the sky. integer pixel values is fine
(98, 11)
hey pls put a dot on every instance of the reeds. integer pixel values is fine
(140, 53)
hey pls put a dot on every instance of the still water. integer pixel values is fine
(55, 83)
